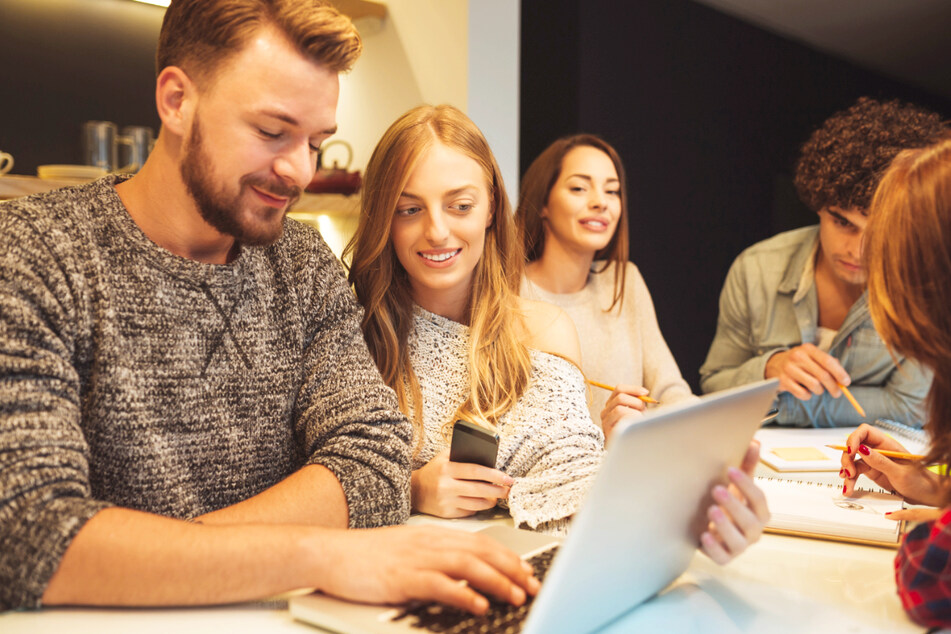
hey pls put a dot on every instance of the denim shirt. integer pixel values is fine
(768, 305)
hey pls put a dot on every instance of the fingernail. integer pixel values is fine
(480, 605)
(888, 512)
(508, 481)
(733, 472)
(720, 493)
(864, 450)
(527, 567)
(848, 474)
(841, 472)
(534, 585)
(843, 489)
(517, 596)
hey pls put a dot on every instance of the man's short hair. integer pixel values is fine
(842, 162)
(198, 35)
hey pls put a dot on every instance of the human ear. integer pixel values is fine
(175, 97)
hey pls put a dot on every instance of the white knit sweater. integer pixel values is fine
(548, 442)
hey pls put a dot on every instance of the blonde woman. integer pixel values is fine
(436, 265)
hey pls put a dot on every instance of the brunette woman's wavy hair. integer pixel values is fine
(908, 255)
(535, 189)
(499, 363)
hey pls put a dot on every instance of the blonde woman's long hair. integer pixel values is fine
(908, 256)
(498, 361)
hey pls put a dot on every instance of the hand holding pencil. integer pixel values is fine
(625, 400)
(901, 472)
(806, 371)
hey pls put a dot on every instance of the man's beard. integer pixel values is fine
(221, 210)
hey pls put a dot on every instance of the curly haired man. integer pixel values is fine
(793, 307)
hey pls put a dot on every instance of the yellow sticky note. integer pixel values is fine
(799, 453)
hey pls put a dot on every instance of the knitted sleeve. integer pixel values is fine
(550, 446)
(45, 496)
(923, 572)
(348, 418)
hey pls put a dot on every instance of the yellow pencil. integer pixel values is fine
(855, 404)
(898, 455)
(605, 386)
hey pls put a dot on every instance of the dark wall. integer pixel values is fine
(63, 62)
(707, 113)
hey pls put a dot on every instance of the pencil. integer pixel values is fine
(605, 386)
(898, 455)
(855, 404)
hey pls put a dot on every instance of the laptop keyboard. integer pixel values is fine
(501, 616)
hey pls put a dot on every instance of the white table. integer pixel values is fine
(782, 584)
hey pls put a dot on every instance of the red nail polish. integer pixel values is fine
(848, 474)
(841, 471)
(843, 489)
(864, 450)
(888, 512)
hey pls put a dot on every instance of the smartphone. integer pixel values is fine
(474, 444)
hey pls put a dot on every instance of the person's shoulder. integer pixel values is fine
(549, 329)
(787, 241)
(634, 285)
(301, 244)
(53, 203)
(57, 218)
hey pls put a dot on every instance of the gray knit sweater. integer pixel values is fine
(132, 377)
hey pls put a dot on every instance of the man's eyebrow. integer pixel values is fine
(838, 215)
(286, 118)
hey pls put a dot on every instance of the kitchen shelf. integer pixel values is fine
(14, 186)
(357, 9)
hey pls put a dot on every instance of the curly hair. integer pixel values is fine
(842, 162)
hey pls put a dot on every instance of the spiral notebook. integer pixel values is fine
(819, 510)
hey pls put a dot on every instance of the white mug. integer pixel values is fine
(6, 163)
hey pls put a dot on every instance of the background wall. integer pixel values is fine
(707, 113)
(63, 62)
(419, 56)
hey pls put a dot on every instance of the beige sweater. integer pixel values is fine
(618, 347)
(548, 443)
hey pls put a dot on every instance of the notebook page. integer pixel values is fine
(821, 509)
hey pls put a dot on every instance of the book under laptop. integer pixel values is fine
(637, 529)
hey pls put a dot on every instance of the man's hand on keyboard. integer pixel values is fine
(403, 563)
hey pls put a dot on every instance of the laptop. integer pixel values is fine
(636, 532)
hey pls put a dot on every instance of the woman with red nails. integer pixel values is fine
(908, 255)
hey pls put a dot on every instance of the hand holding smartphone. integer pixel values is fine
(473, 444)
